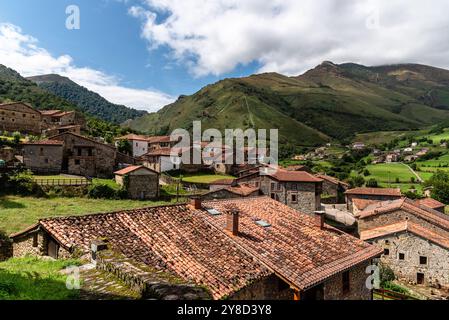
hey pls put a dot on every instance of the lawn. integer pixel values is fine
(377, 138)
(33, 278)
(204, 178)
(18, 213)
(436, 138)
(389, 172)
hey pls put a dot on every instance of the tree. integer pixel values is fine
(357, 181)
(372, 183)
(440, 183)
(124, 146)
(366, 173)
(16, 136)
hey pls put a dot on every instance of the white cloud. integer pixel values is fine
(290, 36)
(22, 53)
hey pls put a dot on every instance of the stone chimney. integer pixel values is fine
(319, 219)
(232, 222)
(195, 202)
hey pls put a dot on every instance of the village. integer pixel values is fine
(181, 231)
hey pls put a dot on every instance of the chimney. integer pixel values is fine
(195, 202)
(319, 219)
(232, 222)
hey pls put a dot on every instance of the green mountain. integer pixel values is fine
(328, 102)
(87, 101)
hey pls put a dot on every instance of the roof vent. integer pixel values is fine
(263, 223)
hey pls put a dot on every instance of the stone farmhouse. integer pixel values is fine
(370, 195)
(141, 145)
(161, 160)
(414, 237)
(139, 181)
(80, 156)
(415, 253)
(297, 189)
(333, 189)
(24, 118)
(45, 156)
(252, 248)
(20, 117)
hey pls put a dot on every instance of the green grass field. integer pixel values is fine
(436, 138)
(32, 278)
(377, 138)
(204, 178)
(17, 213)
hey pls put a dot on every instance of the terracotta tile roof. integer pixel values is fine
(47, 142)
(332, 180)
(376, 191)
(192, 244)
(49, 112)
(243, 189)
(224, 182)
(362, 204)
(385, 207)
(159, 152)
(405, 226)
(295, 168)
(133, 136)
(130, 169)
(430, 203)
(174, 239)
(159, 139)
(293, 246)
(294, 176)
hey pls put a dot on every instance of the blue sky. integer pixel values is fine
(109, 40)
(145, 53)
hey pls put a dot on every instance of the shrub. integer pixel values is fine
(356, 181)
(366, 173)
(372, 183)
(22, 183)
(386, 274)
(106, 191)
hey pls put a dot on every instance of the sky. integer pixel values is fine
(145, 53)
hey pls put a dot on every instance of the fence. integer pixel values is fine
(63, 182)
(382, 294)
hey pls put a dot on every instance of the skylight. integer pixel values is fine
(213, 212)
(263, 223)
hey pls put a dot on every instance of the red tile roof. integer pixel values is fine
(430, 203)
(362, 204)
(46, 143)
(376, 191)
(385, 207)
(332, 180)
(222, 182)
(193, 244)
(130, 169)
(405, 226)
(294, 176)
(243, 189)
(133, 136)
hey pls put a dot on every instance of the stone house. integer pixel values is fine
(161, 160)
(232, 191)
(139, 181)
(250, 248)
(297, 189)
(59, 130)
(333, 189)
(86, 157)
(20, 117)
(376, 194)
(43, 156)
(57, 118)
(386, 213)
(414, 253)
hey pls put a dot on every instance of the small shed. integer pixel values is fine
(140, 182)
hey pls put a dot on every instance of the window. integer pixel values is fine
(401, 256)
(89, 152)
(294, 198)
(386, 252)
(273, 186)
(294, 186)
(346, 283)
(387, 241)
(279, 187)
(24, 115)
(77, 162)
(273, 196)
(46, 160)
(422, 260)
(41, 151)
(79, 151)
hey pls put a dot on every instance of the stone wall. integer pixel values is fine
(32, 243)
(268, 288)
(308, 197)
(150, 284)
(43, 158)
(384, 219)
(333, 288)
(19, 117)
(143, 186)
(435, 272)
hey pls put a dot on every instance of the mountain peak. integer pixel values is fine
(50, 78)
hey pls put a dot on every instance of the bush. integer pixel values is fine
(357, 181)
(386, 274)
(372, 183)
(105, 191)
(366, 173)
(22, 183)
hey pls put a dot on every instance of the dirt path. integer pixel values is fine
(414, 172)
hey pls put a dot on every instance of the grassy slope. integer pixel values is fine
(328, 101)
(17, 213)
(32, 278)
(204, 178)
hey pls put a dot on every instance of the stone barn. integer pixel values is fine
(43, 156)
(140, 182)
(20, 117)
